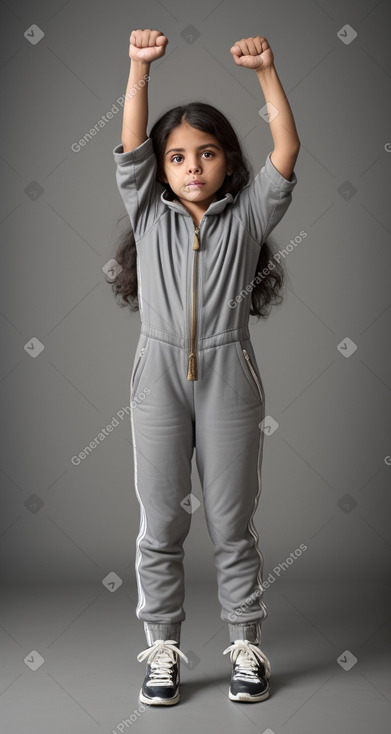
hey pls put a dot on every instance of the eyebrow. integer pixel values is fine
(207, 145)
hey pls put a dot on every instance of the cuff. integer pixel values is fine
(277, 179)
(142, 151)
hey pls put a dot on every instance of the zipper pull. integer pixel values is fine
(196, 242)
(191, 374)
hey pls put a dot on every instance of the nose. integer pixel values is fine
(194, 168)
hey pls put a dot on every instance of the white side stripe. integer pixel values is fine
(143, 525)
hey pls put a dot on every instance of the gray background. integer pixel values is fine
(326, 471)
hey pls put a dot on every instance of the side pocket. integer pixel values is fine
(251, 371)
(138, 368)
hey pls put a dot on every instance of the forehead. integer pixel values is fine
(185, 136)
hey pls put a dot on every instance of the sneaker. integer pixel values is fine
(161, 683)
(250, 672)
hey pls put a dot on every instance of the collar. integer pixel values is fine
(214, 208)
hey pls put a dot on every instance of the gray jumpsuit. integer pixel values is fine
(195, 383)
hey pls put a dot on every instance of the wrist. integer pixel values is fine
(139, 63)
(266, 71)
(138, 70)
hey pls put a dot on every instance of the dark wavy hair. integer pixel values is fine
(204, 117)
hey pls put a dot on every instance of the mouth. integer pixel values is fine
(195, 183)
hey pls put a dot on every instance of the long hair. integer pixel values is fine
(205, 117)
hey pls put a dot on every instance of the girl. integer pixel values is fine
(197, 262)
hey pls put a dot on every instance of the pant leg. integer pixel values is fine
(163, 444)
(229, 407)
(162, 631)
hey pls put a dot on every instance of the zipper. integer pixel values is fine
(192, 373)
(251, 368)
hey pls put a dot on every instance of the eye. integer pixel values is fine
(178, 155)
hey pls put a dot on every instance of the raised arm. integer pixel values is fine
(145, 46)
(255, 53)
(282, 126)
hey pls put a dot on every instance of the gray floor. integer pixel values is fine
(90, 678)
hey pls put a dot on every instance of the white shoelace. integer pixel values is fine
(161, 657)
(246, 656)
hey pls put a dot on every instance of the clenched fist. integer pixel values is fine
(147, 45)
(253, 53)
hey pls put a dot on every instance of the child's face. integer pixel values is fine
(207, 164)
